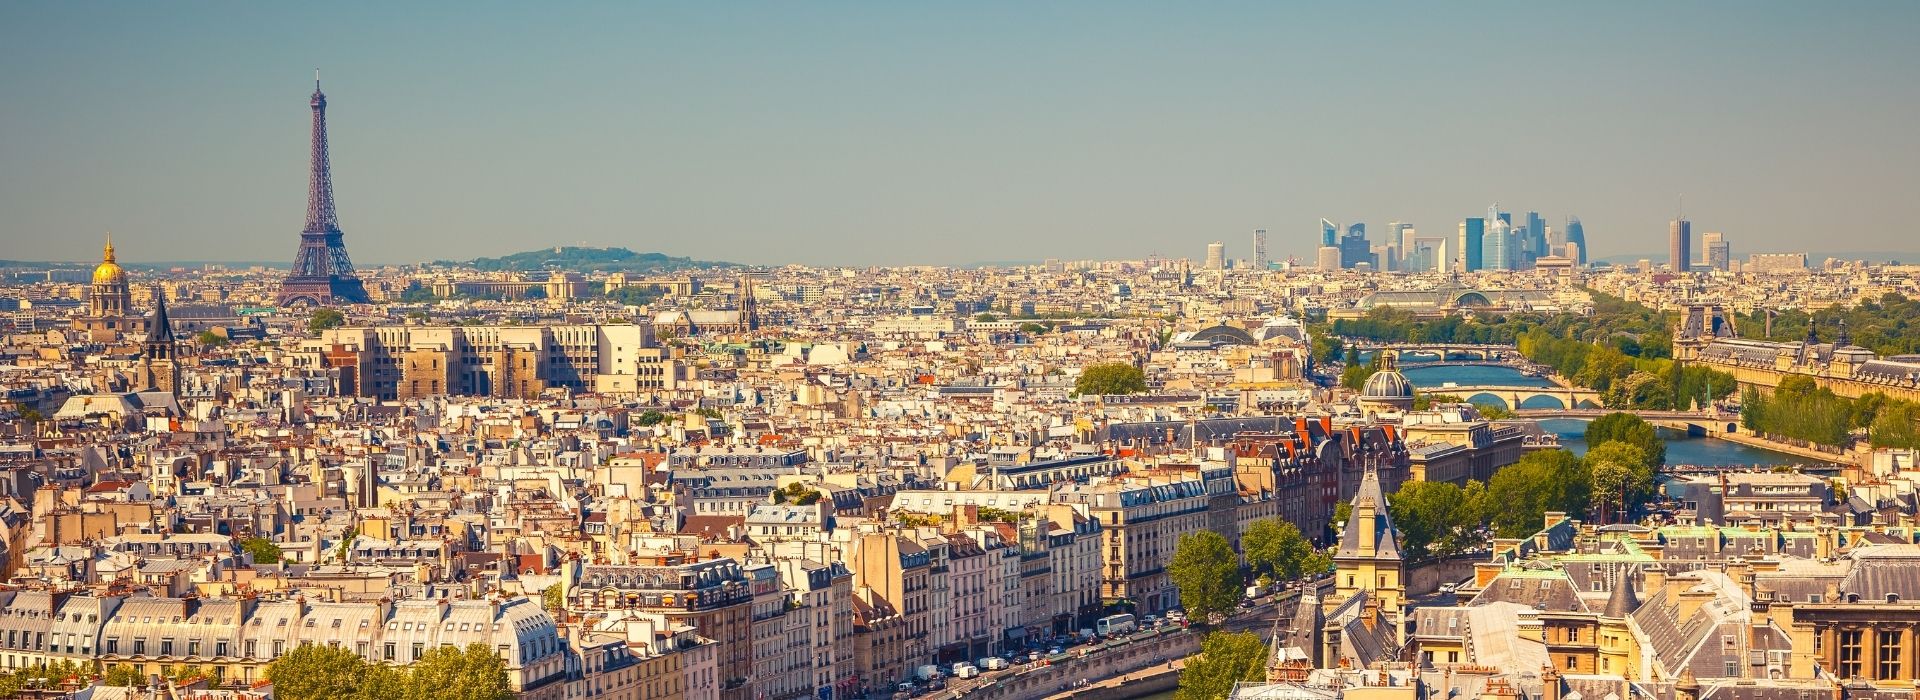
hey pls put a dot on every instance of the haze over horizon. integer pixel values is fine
(887, 134)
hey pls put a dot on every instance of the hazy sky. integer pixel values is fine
(949, 133)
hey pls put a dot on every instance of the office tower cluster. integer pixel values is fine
(1495, 242)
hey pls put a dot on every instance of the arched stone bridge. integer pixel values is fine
(1516, 396)
(1491, 354)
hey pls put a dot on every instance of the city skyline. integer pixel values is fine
(737, 136)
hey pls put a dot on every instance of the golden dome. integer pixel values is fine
(108, 271)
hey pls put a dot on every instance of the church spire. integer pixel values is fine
(162, 328)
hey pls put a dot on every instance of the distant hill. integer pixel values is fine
(584, 259)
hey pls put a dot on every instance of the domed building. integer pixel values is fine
(1387, 391)
(110, 296)
(109, 301)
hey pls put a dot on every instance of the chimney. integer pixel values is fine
(1742, 574)
(1654, 578)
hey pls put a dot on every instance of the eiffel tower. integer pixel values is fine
(322, 273)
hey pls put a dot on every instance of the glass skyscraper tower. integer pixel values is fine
(1471, 232)
(1577, 237)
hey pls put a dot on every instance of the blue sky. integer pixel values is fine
(868, 133)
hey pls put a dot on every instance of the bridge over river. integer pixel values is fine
(1517, 397)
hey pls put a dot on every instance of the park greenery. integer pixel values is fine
(1885, 325)
(1207, 572)
(1439, 519)
(1110, 378)
(210, 339)
(312, 672)
(1799, 410)
(1225, 659)
(1630, 429)
(1277, 551)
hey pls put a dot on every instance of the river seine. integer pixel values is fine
(1680, 448)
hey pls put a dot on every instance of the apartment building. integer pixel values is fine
(406, 362)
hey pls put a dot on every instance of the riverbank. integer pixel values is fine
(1848, 458)
(1158, 680)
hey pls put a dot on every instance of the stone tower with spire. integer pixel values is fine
(159, 361)
(1368, 560)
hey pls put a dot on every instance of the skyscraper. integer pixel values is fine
(322, 273)
(1537, 235)
(1400, 235)
(1472, 231)
(1216, 256)
(1329, 258)
(1577, 236)
(1329, 233)
(1259, 249)
(1680, 244)
(1717, 251)
(1354, 248)
(1496, 247)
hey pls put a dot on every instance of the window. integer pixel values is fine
(1849, 661)
(1889, 655)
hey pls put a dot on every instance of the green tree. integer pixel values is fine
(1110, 378)
(1327, 348)
(1031, 328)
(1895, 425)
(325, 319)
(551, 599)
(1207, 573)
(1620, 477)
(123, 676)
(1225, 658)
(264, 551)
(383, 682)
(797, 493)
(1493, 411)
(1436, 518)
(1520, 495)
(1276, 549)
(346, 544)
(210, 339)
(651, 418)
(314, 672)
(1355, 376)
(985, 318)
(1630, 429)
(473, 673)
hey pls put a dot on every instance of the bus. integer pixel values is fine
(1113, 625)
